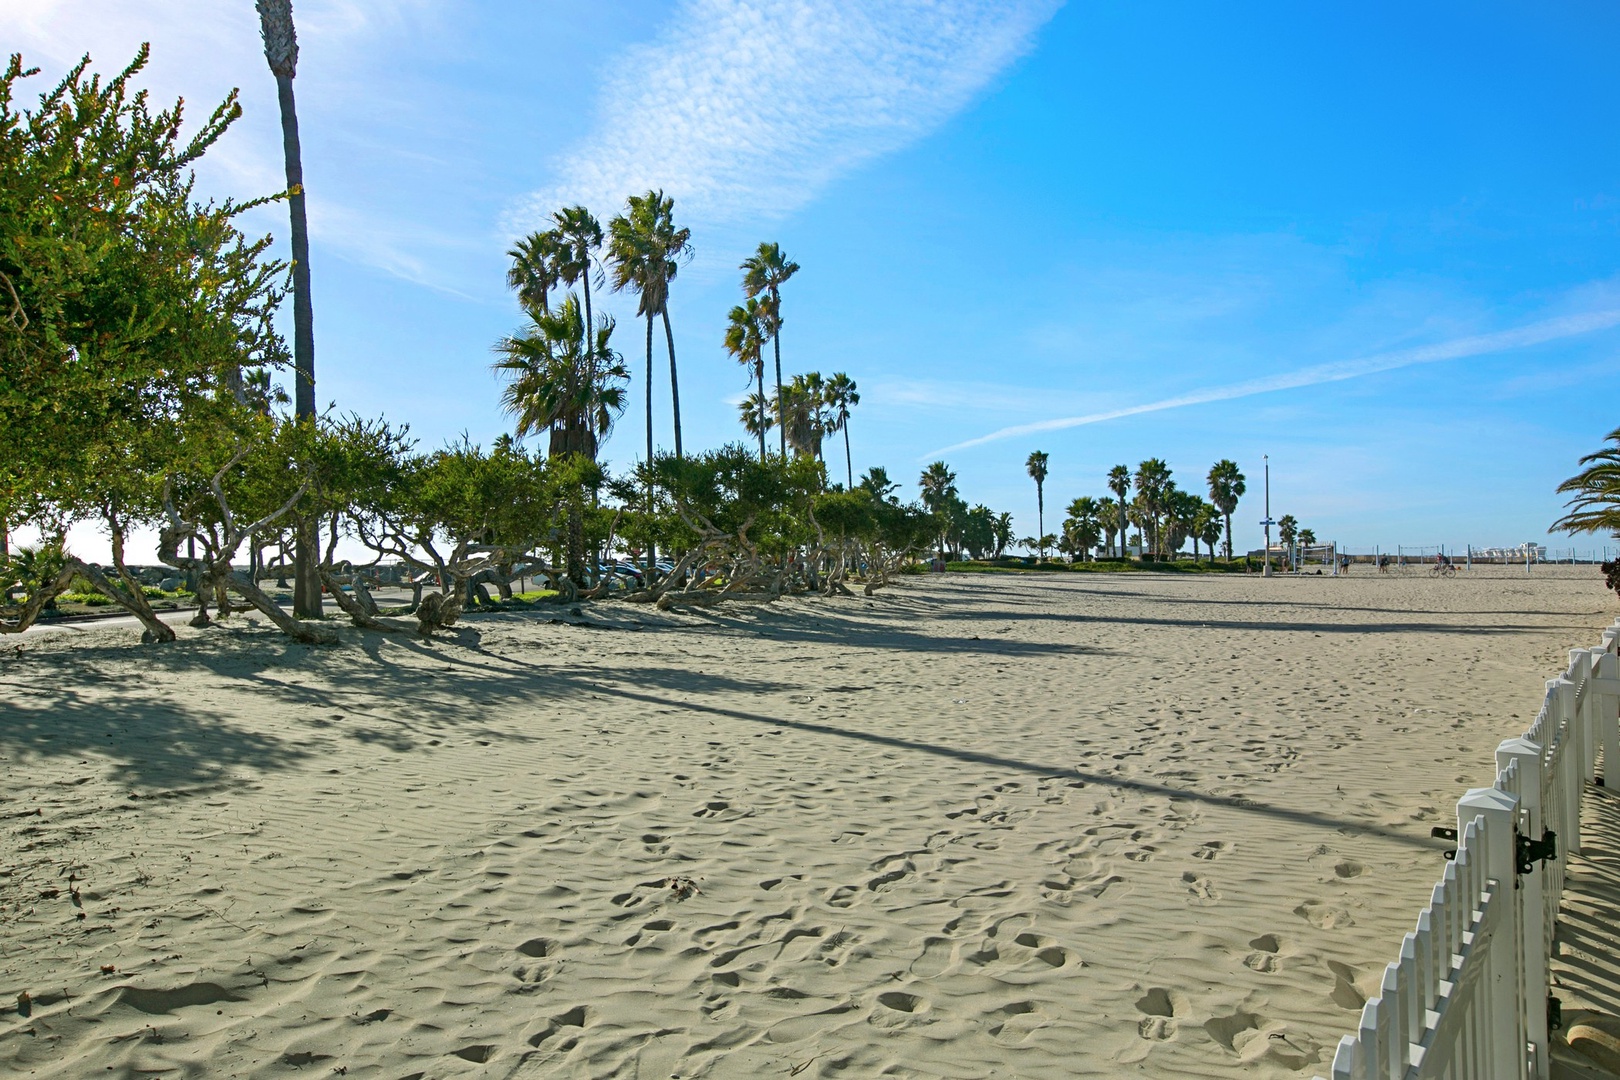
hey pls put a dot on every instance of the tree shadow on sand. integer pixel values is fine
(153, 745)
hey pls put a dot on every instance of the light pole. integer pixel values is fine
(1265, 567)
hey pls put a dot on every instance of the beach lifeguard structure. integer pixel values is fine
(1468, 996)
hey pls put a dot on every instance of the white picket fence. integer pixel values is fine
(1468, 998)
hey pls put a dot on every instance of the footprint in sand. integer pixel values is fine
(1200, 887)
(896, 1008)
(1264, 958)
(1046, 950)
(1162, 1009)
(1324, 916)
(558, 1026)
(1213, 849)
(1348, 868)
(1009, 1016)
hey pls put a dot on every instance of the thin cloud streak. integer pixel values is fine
(747, 109)
(1478, 345)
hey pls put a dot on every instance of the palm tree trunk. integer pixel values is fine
(759, 372)
(776, 346)
(590, 351)
(1040, 521)
(849, 464)
(674, 383)
(1228, 536)
(306, 575)
(652, 553)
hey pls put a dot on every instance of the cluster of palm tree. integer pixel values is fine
(806, 409)
(565, 377)
(959, 529)
(1164, 515)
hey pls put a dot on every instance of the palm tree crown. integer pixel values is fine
(558, 386)
(1595, 505)
(561, 255)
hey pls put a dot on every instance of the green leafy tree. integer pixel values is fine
(1226, 487)
(130, 312)
(766, 271)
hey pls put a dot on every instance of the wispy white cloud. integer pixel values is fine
(747, 109)
(1537, 333)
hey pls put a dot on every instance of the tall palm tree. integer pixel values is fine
(281, 52)
(745, 340)
(1225, 489)
(764, 272)
(1119, 482)
(842, 396)
(1595, 490)
(1151, 478)
(1035, 465)
(645, 252)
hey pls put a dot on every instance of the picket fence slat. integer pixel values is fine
(1466, 996)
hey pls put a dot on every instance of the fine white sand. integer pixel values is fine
(976, 826)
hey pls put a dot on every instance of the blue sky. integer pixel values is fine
(1375, 241)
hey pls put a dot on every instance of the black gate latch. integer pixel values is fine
(1442, 833)
(1534, 851)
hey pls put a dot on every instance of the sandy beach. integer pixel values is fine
(975, 826)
